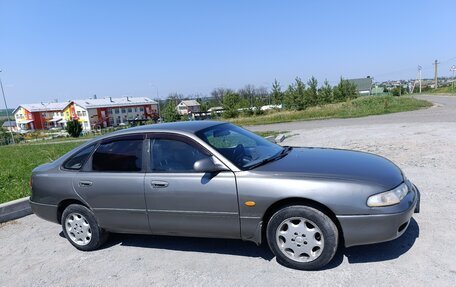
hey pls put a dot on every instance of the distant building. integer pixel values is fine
(43, 115)
(363, 85)
(91, 113)
(377, 90)
(188, 107)
(10, 126)
(101, 113)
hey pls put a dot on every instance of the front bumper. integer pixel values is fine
(367, 229)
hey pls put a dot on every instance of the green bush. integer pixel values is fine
(74, 128)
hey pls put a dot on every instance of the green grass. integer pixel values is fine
(439, 90)
(360, 107)
(17, 163)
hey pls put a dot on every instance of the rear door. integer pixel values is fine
(112, 183)
(181, 201)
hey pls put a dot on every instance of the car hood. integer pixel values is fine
(337, 164)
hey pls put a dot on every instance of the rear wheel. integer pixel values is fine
(302, 237)
(81, 228)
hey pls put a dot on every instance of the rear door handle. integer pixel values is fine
(85, 183)
(159, 184)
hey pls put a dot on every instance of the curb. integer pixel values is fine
(15, 209)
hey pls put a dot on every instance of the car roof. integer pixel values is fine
(189, 126)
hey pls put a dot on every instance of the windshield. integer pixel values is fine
(243, 148)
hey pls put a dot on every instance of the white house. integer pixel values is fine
(188, 107)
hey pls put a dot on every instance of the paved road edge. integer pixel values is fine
(15, 209)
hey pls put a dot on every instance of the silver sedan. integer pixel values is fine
(214, 179)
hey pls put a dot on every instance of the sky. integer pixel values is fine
(63, 50)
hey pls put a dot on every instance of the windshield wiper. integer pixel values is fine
(281, 154)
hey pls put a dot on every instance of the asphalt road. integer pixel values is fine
(33, 252)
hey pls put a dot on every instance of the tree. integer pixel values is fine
(295, 95)
(326, 93)
(345, 90)
(257, 104)
(231, 104)
(219, 93)
(74, 128)
(399, 91)
(277, 94)
(204, 105)
(312, 93)
(169, 113)
(248, 95)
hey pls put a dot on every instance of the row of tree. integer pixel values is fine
(249, 100)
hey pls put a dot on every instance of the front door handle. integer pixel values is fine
(159, 184)
(85, 183)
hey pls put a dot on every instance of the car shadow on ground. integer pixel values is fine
(358, 254)
(205, 245)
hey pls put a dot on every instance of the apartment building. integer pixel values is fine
(91, 113)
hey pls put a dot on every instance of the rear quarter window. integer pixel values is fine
(77, 161)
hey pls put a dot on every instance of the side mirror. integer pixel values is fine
(208, 165)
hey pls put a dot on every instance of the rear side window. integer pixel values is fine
(78, 160)
(118, 156)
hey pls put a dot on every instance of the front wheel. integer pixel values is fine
(302, 237)
(81, 228)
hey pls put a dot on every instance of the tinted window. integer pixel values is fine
(173, 156)
(78, 160)
(122, 155)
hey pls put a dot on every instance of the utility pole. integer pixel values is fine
(436, 65)
(7, 111)
(419, 76)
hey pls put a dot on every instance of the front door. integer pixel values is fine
(112, 182)
(183, 202)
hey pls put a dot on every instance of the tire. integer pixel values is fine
(302, 237)
(81, 228)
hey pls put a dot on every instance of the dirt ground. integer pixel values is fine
(33, 252)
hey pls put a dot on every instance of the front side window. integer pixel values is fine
(118, 156)
(78, 160)
(169, 155)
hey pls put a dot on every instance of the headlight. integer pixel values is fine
(389, 197)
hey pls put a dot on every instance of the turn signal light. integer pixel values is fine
(250, 203)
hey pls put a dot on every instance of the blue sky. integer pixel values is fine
(74, 49)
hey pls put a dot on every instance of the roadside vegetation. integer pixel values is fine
(440, 90)
(360, 107)
(298, 101)
(18, 161)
